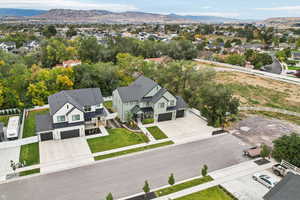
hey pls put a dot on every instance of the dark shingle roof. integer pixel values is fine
(286, 189)
(275, 67)
(159, 95)
(79, 98)
(43, 122)
(137, 90)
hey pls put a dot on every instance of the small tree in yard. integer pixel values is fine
(146, 188)
(109, 196)
(13, 166)
(171, 180)
(204, 170)
(265, 151)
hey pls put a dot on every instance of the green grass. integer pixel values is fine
(30, 154)
(290, 118)
(29, 172)
(120, 153)
(293, 68)
(118, 137)
(148, 121)
(108, 105)
(29, 124)
(213, 193)
(182, 186)
(4, 119)
(157, 133)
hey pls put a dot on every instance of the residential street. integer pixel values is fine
(126, 176)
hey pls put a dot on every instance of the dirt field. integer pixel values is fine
(258, 91)
(256, 130)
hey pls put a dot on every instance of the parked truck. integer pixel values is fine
(284, 168)
(12, 131)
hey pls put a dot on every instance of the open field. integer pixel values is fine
(258, 91)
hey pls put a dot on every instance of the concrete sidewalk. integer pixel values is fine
(145, 131)
(222, 176)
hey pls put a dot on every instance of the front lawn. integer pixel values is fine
(148, 121)
(29, 154)
(213, 193)
(29, 172)
(120, 153)
(157, 133)
(293, 68)
(29, 126)
(117, 138)
(182, 186)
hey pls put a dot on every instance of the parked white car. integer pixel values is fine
(265, 180)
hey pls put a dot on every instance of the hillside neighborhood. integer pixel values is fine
(96, 105)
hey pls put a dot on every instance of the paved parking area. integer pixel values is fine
(63, 154)
(189, 128)
(245, 188)
(6, 155)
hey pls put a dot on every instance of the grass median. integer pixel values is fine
(29, 154)
(213, 193)
(157, 133)
(120, 153)
(29, 172)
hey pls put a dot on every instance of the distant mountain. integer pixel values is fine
(288, 21)
(207, 19)
(103, 16)
(20, 12)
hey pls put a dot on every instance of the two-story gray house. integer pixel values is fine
(145, 99)
(73, 113)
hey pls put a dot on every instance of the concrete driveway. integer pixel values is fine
(245, 188)
(125, 176)
(63, 154)
(186, 129)
(6, 155)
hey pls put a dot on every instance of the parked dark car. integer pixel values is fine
(253, 152)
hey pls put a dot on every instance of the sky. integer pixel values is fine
(241, 9)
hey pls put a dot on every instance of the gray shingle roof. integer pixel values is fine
(43, 123)
(158, 95)
(139, 88)
(286, 189)
(79, 98)
(275, 67)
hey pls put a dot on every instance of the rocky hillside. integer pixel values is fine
(288, 21)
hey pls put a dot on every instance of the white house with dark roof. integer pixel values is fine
(145, 99)
(73, 113)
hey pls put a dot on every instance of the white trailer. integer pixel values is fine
(12, 131)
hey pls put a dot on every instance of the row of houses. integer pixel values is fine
(12, 47)
(75, 113)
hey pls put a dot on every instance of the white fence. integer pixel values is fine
(107, 98)
(19, 142)
(252, 71)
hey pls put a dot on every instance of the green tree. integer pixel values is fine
(236, 59)
(71, 32)
(89, 50)
(204, 171)
(171, 179)
(146, 188)
(109, 196)
(265, 151)
(287, 148)
(218, 104)
(49, 31)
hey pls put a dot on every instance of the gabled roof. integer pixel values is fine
(43, 123)
(78, 98)
(137, 90)
(286, 189)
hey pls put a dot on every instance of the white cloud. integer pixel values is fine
(217, 14)
(65, 4)
(284, 8)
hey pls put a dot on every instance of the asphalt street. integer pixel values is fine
(125, 176)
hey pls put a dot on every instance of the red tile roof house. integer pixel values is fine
(71, 63)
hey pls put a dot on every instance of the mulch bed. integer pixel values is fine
(262, 161)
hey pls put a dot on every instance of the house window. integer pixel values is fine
(162, 105)
(75, 117)
(172, 103)
(87, 108)
(61, 118)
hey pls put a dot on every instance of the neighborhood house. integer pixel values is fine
(145, 99)
(73, 113)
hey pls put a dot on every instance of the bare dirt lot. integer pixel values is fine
(256, 130)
